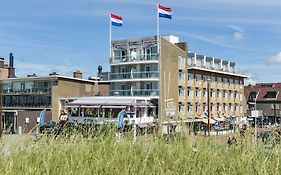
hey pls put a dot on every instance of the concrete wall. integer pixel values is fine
(169, 85)
(4, 73)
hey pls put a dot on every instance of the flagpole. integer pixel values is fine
(110, 36)
(158, 34)
(160, 105)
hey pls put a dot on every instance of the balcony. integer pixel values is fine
(135, 92)
(131, 59)
(134, 75)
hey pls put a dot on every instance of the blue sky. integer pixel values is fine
(69, 35)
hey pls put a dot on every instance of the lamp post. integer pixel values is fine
(256, 116)
(208, 101)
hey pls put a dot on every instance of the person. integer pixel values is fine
(231, 140)
(243, 130)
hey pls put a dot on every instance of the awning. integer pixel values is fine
(117, 107)
(103, 101)
(95, 106)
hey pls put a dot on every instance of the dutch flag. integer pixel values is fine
(116, 20)
(164, 12)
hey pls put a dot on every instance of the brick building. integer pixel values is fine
(24, 98)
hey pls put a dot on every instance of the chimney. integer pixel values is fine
(11, 60)
(1, 62)
(11, 69)
(11, 72)
(77, 74)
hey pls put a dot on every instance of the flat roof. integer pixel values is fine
(107, 100)
(219, 72)
(53, 77)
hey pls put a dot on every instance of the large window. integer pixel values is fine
(27, 101)
(271, 94)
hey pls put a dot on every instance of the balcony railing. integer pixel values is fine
(128, 58)
(26, 91)
(135, 92)
(134, 75)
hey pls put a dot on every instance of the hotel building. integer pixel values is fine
(176, 80)
(226, 87)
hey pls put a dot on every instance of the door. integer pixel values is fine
(10, 122)
(148, 53)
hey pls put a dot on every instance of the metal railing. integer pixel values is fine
(134, 75)
(135, 92)
(129, 58)
(27, 91)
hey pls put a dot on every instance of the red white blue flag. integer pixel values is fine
(116, 20)
(164, 12)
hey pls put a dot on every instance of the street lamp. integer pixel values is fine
(208, 101)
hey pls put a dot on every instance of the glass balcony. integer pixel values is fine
(135, 92)
(124, 59)
(134, 75)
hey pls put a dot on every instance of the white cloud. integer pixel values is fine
(212, 40)
(275, 59)
(237, 36)
(237, 28)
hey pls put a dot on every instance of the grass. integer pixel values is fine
(146, 155)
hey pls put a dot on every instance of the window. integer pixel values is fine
(181, 92)
(266, 85)
(189, 107)
(197, 93)
(198, 77)
(218, 107)
(181, 60)
(271, 94)
(225, 80)
(252, 96)
(190, 76)
(224, 94)
(212, 94)
(204, 93)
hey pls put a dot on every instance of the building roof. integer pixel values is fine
(265, 92)
(218, 72)
(54, 77)
(109, 100)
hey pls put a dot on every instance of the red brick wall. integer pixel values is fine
(32, 115)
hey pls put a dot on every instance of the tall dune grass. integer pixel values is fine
(146, 155)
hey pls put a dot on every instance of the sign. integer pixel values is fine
(256, 113)
(170, 109)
